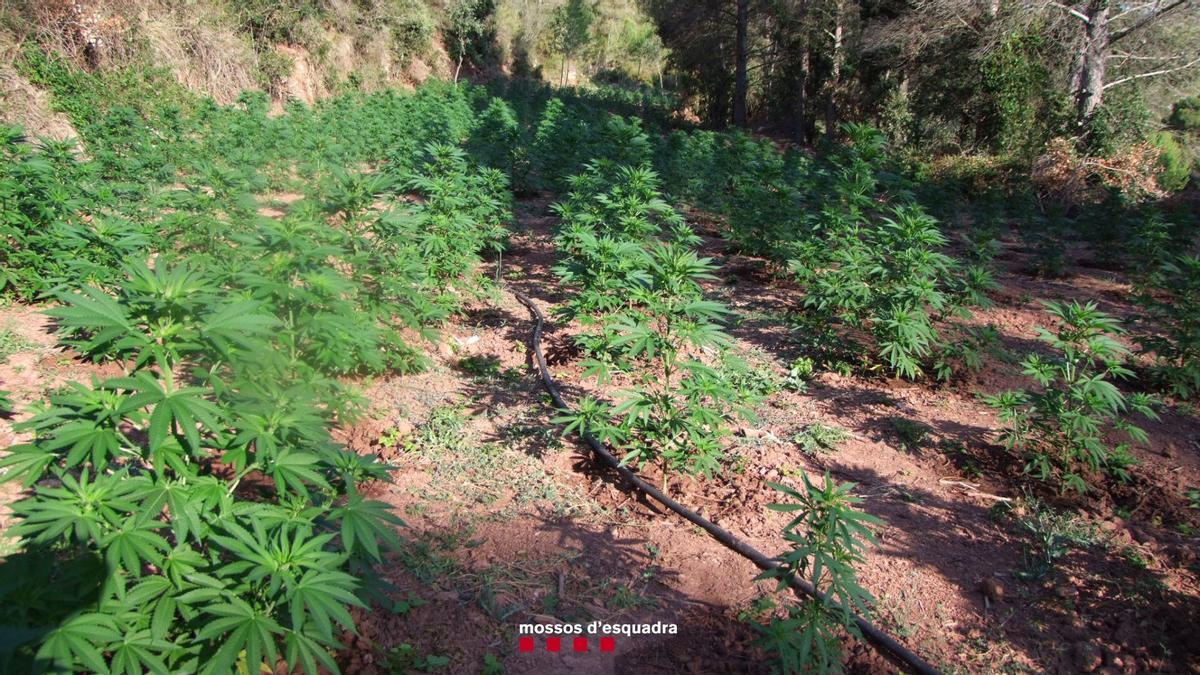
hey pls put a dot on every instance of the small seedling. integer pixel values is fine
(492, 665)
(962, 458)
(12, 342)
(910, 433)
(799, 374)
(818, 438)
(407, 658)
(407, 604)
(1052, 536)
(480, 366)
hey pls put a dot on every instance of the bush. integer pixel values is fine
(1175, 161)
(1185, 114)
(274, 67)
(412, 29)
(269, 22)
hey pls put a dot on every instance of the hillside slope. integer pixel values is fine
(294, 51)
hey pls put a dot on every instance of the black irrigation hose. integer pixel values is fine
(886, 644)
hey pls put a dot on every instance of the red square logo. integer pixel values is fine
(525, 645)
(581, 644)
(553, 644)
(608, 644)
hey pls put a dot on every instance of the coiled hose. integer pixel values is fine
(886, 644)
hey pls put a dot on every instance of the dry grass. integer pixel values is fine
(199, 43)
(23, 104)
(201, 49)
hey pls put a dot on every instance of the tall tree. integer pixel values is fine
(571, 28)
(833, 83)
(699, 35)
(1101, 30)
(741, 78)
(998, 75)
(468, 21)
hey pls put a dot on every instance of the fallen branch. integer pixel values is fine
(973, 489)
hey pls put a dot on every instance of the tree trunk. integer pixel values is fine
(835, 73)
(741, 81)
(802, 121)
(1091, 64)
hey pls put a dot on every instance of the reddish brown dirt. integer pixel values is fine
(28, 374)
(513, 525)
(1112, 605)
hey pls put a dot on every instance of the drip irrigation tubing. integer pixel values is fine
(886, 644)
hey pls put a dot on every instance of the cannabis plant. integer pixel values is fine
(675, 416)
(499, 142)
(1061, 429)
(193, 514)
(57, 227)
(628, 256)
(870, 262)
(463, 215)
(828, 538)
(351, 194)
(887, 278)
(607, 220)
(1172, 329)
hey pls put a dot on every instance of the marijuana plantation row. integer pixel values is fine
(195, 514)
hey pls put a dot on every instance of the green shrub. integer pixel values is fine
(1175, 161)
(412, 28)
(274, 67)
(269, 23)
(1185, 114)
